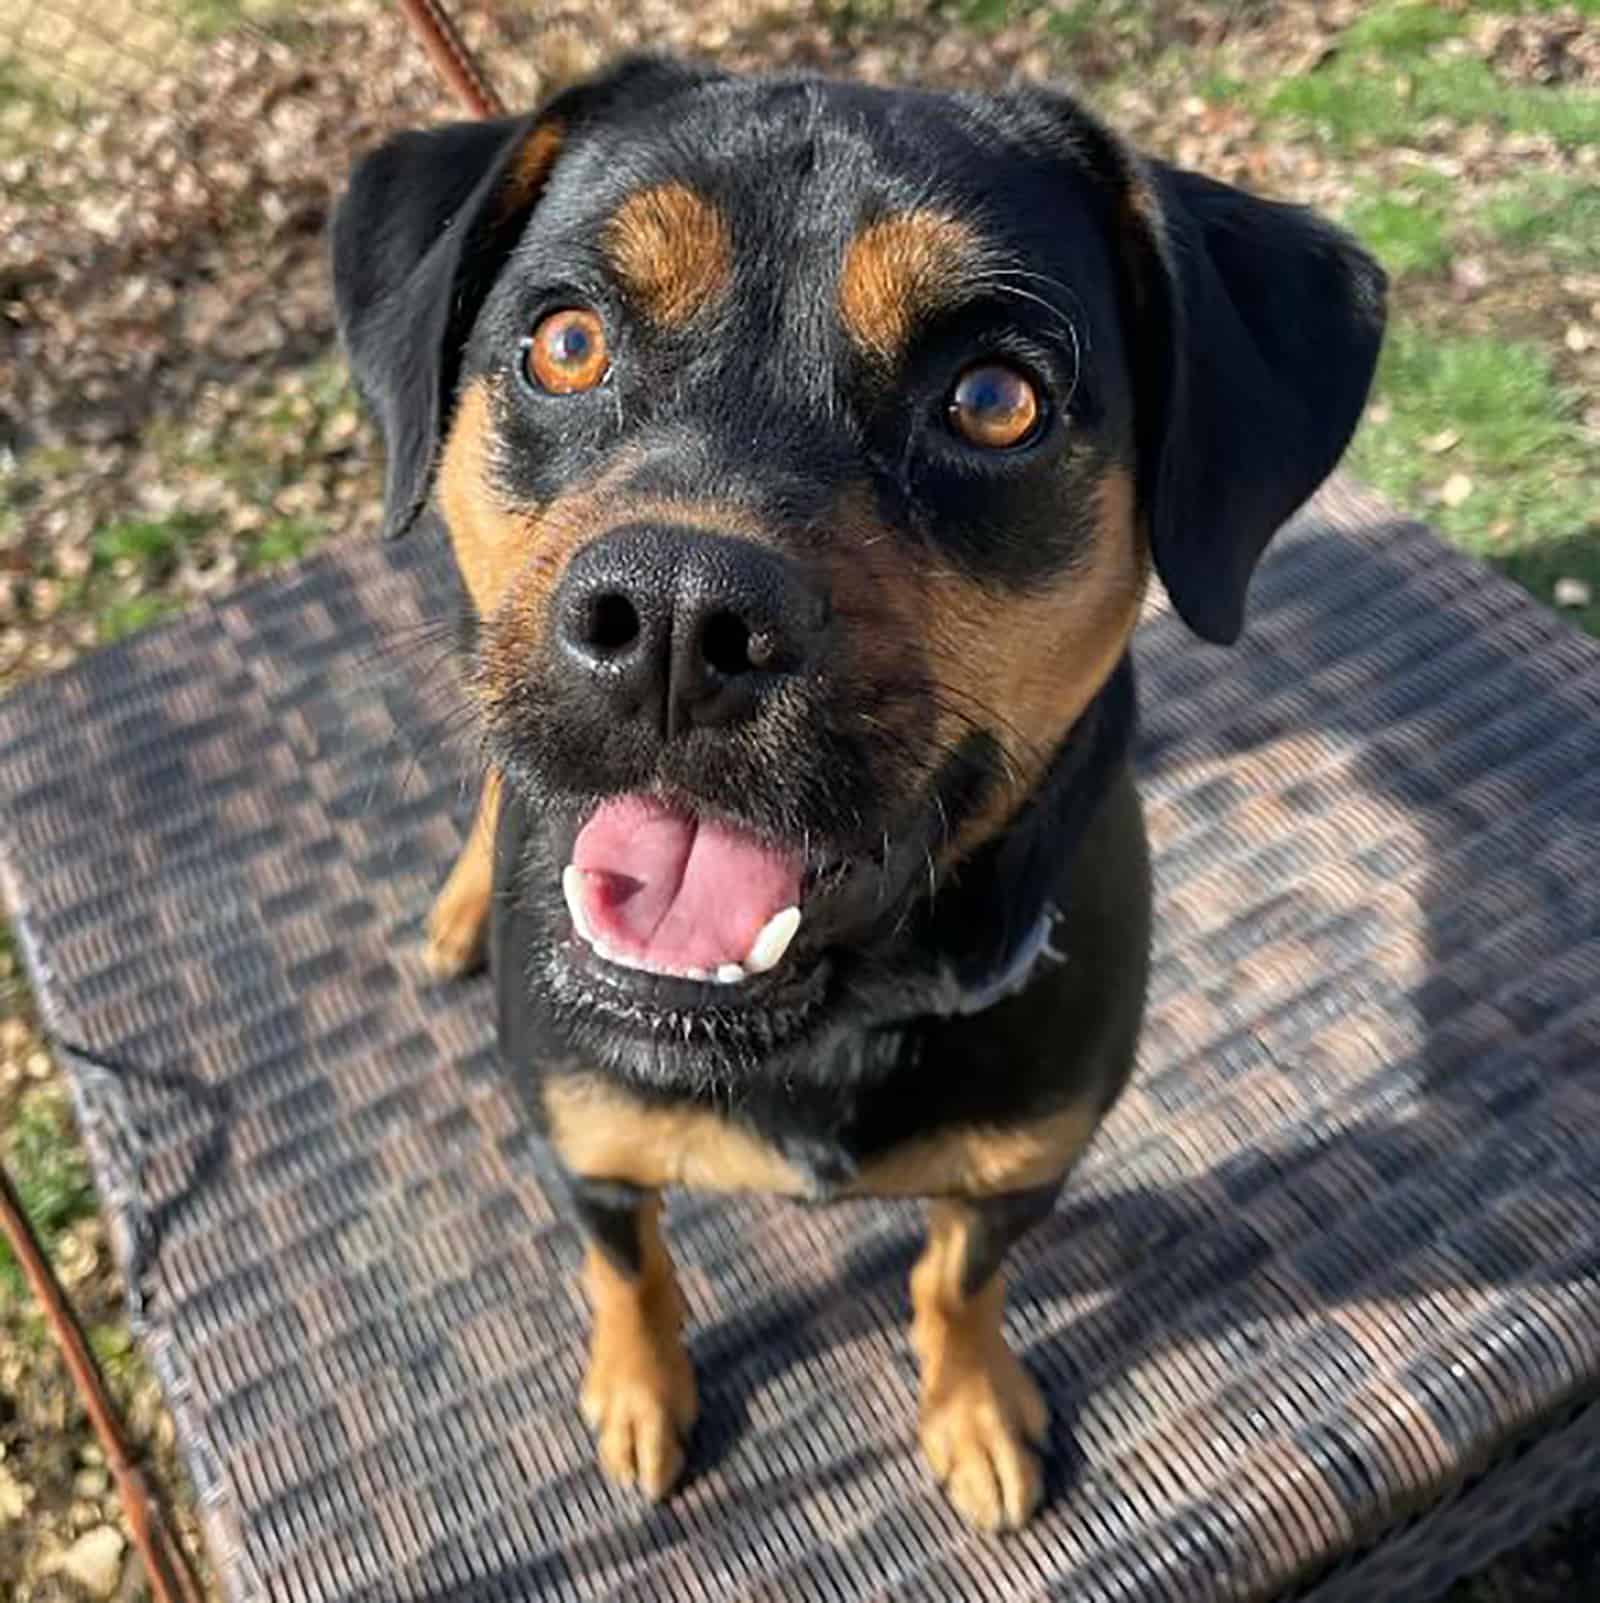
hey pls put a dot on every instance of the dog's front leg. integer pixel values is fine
(982, 1418)
(638, 1391)
(458, 923)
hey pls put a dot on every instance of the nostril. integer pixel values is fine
(610, 623)
(729, 647)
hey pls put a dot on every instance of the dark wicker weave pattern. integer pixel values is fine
(1333, 1258)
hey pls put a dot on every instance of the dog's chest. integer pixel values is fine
(601, 1131)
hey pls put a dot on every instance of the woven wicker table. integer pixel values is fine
(1320, 1313)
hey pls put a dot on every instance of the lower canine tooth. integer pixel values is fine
(729, 974)
(767, 949)
(572, 889)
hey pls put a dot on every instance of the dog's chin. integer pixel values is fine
(669, 1032)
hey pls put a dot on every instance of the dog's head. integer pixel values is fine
(804, 448)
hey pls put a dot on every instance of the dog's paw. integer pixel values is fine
(639, 1399)
(982, 1425)
(458, 927)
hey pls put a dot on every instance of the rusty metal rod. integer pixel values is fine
(166, 1564)
(437, 34)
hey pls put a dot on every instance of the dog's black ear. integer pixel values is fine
(1256, 333)
(423, 230)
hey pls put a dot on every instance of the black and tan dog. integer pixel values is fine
(805, 449)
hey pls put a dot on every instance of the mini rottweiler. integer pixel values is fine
(805, 449)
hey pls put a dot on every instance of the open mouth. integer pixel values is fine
(658, 892)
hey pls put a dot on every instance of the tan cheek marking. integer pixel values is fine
(980, 1160)
(898, 269)
(1021, 667)
(489, 541)
(673, 252)
(1027, 667)
(604, 1134)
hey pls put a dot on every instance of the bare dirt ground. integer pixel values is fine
(174, 415)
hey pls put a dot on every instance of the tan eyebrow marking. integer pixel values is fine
(896, 270)
(673, 251)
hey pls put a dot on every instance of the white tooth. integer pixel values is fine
(767, 949)
(730, 974)
(696, 974)
(572, 889)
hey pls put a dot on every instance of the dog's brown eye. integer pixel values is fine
(994, 406)
(567, 352)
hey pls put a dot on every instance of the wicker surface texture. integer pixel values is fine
(1321, 1308)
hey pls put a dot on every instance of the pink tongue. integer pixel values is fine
(675, 894)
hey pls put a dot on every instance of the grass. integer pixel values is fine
(207, 19)
(1394, 70)
(50, 1175)
(1476, 432)
(1407, 230)
(283, 540)
(1487, 415)
(1557, 213)
(1356, 103)
(1523, 8)
(153, 542)
(983, 14)
(1397, 31)
(22, 89)
(1499, 394)
(115, 620)
(1072, 22)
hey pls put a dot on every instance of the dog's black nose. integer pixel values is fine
(684, 629)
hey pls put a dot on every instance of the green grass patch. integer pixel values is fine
(1530, 468)
(1223, 88)
(1072, 22)
(13, 984)
(1342, 106)
(113, 1348)
(843, 15)
(1526, 8)
(1406, 230)
(150, 541)
(1351, 104)
(1557, 213)
(283, 540)
(1499, 394)
(50, 1176)
(208, 19)
(31, 110)
(1389, 74)
(118, 619)
(1401, 31)
(205, 20)
(986, 16)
